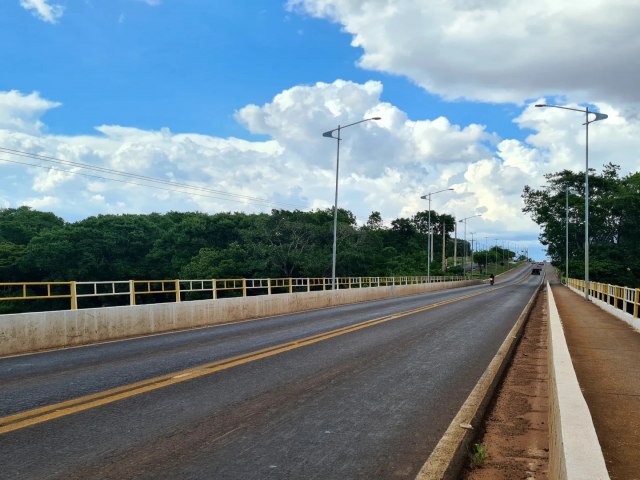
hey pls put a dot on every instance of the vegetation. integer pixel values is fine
(614, 223)
(38, 246)
(478, 454)
(496, 259)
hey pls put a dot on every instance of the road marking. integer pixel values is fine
(62, 409)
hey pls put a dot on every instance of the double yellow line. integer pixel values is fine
(62, 409)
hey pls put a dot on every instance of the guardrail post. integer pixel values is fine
(177, 287)
(624, 300)
(244, 287)
(74, 297)
(290, 285)
(214, 290)
(635, 302)
(132, 292)
(268, 286)
(308, 284)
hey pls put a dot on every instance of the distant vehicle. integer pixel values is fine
(536, 270)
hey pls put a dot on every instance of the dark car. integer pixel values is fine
(536, 270)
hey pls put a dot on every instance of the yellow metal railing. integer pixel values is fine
(158, 291)
(623, 298)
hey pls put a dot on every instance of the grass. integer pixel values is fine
(478, 454)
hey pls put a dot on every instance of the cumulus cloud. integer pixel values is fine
(497, 50)
(22, 113)
(385, 165)
(42, 9)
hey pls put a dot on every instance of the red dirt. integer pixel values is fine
(515, 431)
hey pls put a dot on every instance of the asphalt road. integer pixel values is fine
(359, 391)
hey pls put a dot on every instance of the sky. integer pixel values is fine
(140, 106)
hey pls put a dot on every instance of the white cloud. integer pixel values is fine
(44, 10)
(385, 165)
(497, 50)
(22, 113)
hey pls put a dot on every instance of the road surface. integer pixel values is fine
(358, 391)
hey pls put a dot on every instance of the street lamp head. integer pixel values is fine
(424, 197)
(376, 118)
(541, 105)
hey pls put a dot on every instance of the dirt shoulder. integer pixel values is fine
(515, 434)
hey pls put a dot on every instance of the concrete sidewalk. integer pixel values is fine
(605, 353)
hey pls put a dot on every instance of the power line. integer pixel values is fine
(175, 186)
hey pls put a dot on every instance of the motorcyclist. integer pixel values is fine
(492, 279)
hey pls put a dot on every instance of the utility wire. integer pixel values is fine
(216, 193)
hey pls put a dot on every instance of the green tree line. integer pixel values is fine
(39, 246)
(614, 223)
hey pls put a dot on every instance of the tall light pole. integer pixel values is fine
(455, 243)
(598, 116)
(472, 250)
(430, 237)
(464, 220)
(486, 255)
(329, 134)
(567, 191)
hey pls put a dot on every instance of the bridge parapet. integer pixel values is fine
(135, 292)
(28, 332)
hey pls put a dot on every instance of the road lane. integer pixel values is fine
(369, 404)
(32, 381)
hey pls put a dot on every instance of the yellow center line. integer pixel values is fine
(57, 410)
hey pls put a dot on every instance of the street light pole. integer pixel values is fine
(567, 191)
(464, 220)
(486, 255)
(430, 237)
(598, 116)
(455, 243)
(472, 233)
(329, 134)
(566, 237)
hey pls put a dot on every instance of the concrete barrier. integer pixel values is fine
(29, 332)
(574, 450)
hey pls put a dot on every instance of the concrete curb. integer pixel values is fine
(574, 450)
(450, 453)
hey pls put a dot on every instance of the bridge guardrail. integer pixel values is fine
(623, 298)
(161, 291)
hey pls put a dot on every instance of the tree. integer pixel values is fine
(613, 223)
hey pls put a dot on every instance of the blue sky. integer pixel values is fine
(234, 96)
(190, 65)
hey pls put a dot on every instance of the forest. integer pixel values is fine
(614, 223)
(39, 246)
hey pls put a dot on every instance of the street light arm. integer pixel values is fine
(424, 197)
(563, 108)
(329, 134)
(599, 116)
(472, 216)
